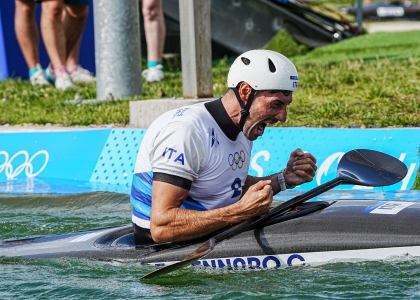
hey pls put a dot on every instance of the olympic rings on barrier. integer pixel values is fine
(11, 172)
(236, 161)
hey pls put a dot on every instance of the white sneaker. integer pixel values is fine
(63, 82)
(153, 74)
(82, 76)
(50, 75)
(38, 78)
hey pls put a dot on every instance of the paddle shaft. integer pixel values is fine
(285, 206)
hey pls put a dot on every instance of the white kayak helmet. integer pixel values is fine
(263, 70)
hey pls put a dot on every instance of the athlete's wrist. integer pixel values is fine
(281, 177)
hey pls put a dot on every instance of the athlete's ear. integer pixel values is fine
(244, 91)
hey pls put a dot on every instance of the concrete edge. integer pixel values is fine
(144, 112)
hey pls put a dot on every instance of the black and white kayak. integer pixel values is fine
(293, 233)
(315, 232)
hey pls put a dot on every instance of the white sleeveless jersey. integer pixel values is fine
(187, 142)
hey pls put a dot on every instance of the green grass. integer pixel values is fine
(381, 45)
(359, 93)
(367, 81)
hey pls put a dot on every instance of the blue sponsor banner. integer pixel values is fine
(104, 159)
(271, 151)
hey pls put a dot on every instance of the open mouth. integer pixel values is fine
(260, 128)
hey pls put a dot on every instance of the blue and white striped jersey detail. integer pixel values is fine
(141, 199)
(141, 195)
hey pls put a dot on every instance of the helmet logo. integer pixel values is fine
(295, 81)
(245, 60)
(271, 66)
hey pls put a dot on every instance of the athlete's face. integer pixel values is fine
(267, 108)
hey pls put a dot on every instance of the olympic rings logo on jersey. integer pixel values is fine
(236, 161)
(12, 171)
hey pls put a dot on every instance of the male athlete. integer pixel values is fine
(191, 174)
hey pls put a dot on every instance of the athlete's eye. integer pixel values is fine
(277, 104)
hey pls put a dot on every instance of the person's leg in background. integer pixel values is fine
(155, 32)
(74, 20)
(55, 42)
(28, 38)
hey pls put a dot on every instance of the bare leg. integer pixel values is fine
(74, 20)
(155, 29)
(53, 33)
(27, 31)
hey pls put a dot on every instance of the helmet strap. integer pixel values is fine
(244, 108)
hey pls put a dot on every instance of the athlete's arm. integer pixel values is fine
(170, 223)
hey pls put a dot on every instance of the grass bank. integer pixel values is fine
(364, 82)
(368, 81)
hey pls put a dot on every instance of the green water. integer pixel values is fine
(32, 215)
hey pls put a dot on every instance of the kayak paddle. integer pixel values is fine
(360, 167)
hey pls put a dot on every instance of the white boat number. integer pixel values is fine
(388, 207)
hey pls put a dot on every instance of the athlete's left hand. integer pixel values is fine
(301, 168)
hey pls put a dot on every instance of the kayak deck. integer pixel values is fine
(345, 229)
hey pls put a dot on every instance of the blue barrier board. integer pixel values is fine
(103, 159)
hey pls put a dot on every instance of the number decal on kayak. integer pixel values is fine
(236, 187)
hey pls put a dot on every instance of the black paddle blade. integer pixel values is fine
(370, 168)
